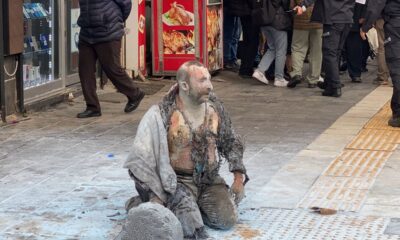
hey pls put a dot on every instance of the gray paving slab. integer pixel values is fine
(62, 177)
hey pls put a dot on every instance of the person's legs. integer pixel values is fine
(354, 52)
(229, 25)
(87, 71)
(217, 207)
(315, 56)
(280, 39)
(109, 54)
(300, 43)
(383, 71)
(237, 31)
(183, 204)
(392, 48)
(334, 37)
(250, 42)
(269, 55)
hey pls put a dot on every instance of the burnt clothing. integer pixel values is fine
(180, 141)
(103, 20)
(331, 11)
(176, 162)
(108, 54)
(333, 39)
(149, 160)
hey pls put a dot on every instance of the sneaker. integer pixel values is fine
(280, 82)
(260, 76)
(394, 122)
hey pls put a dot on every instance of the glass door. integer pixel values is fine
(40, 56)
(72, 12)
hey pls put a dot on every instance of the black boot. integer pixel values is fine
(394, 122)
(332, 92)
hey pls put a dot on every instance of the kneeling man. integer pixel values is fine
(178, 150)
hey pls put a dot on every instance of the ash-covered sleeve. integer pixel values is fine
(230, 145)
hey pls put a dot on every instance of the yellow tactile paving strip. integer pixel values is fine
(345, 183)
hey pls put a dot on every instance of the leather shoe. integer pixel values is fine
(88, 113)
(294, 81)
(332, 92)
(312, 85)
(321, 85)
(133, 104)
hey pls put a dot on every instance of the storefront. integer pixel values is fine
(50, 57)
(185, 30)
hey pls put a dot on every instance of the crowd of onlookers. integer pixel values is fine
(276, 50)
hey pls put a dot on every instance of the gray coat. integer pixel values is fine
(103, 20)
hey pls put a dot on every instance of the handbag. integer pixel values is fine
(263, 15)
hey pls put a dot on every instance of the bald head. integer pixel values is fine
(184, 72)
(194, 82)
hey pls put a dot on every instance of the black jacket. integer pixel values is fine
(331, 11)
(389, 8)
(237, 7)
(359, 13)
(103, 20)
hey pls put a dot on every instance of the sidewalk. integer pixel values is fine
(62, 177)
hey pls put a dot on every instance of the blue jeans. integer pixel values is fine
(232, 31)
(277, 47)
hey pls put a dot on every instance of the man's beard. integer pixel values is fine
(197, 97)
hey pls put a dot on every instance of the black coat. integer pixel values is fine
(103, 20)
(331, 11)
(389, 9)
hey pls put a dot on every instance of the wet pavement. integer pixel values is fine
(62, 177)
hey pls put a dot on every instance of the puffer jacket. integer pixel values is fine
(103, 20)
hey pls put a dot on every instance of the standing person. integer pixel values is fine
(251, 33)
(102, 28)
(336, 17)
(277, 40)
(391, 14)
(306, 36)
(355, 46)
(232, 31)
(383, 71)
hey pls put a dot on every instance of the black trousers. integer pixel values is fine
(109, 55)
(354, 51)
(249, 46)
(334, 38)
(392, 50)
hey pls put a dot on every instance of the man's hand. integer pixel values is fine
(237, 187)
(363, 34)
(298, 10)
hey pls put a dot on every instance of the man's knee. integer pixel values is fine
(218, 209)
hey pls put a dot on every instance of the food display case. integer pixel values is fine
(184, 30)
